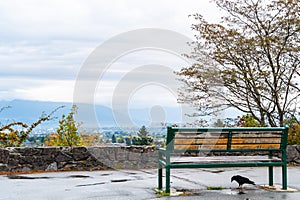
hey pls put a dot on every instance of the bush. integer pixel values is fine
(66, 133)
(294, 134)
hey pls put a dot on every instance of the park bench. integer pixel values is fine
(223, 147)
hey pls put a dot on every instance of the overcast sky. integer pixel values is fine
(43, 44)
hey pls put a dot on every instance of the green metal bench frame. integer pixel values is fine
(164, 154)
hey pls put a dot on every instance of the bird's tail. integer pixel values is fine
(251, 182)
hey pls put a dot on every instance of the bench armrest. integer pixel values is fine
(162, 150)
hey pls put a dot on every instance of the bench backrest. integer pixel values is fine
(226, 139)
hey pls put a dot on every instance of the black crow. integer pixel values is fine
(241, 180)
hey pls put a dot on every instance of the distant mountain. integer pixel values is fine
(29, 111)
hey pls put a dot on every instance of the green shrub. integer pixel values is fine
(294, 134)
(67, 131)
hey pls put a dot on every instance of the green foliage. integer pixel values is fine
(294, 134)
(14, 134)
(113, 139)
(162, 193)
(142, 141)
(248, 121)
(120, 140)
(142, 138)
(143, 133)
(294, 130)
(67, 131)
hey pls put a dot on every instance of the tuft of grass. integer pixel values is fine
(215, 188)
(162, 193)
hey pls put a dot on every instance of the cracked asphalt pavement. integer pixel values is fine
(141, 184)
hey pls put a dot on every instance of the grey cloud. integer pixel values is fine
(50, 40)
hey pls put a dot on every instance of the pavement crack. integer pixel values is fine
(105, 174)
(213, 171)
(147, 172)
(26, 177)
(188, 180)
(92, 184)
(119, 180)
(78, 176)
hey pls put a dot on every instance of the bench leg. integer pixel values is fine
(284, 177)
(167, 179)
(160, 174)
(271, 176)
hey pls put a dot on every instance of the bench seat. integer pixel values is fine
(222, 159)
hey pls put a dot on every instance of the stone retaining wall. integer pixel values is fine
(89, 158)
(293, 155)
(77, 158)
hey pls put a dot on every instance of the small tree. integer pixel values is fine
(142, 138)
(113, 139)
(66, 133)
(143, 133)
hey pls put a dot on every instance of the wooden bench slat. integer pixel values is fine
(255, 146)
(198, 147)
(200, 141)
(233, 146)
(223, 159)
(255, 141)
(225, 135)
(201, 135)
(214, 141)
(256, 135)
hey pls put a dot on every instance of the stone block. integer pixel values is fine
(133, 156)
(4, 167)
(29, 151)
(39, 163)
(120, 154)
(4, 154)
(62, 157)
(49, 150)
(109, 153)
(52, 166)
(80, 153)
